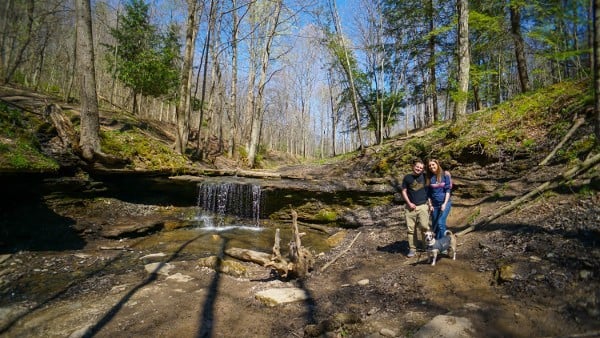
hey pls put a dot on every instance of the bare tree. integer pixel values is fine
(27, 36)
(596, 64)
(257, 118)
(89, 140)
(463, 60)
(347, 69)
(183, 107)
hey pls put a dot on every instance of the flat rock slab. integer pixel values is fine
(131, 227)
(443, 326)
(159, 268)
(273, 297)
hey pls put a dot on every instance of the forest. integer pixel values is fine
(314, 78)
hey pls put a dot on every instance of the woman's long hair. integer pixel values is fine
(438, 175)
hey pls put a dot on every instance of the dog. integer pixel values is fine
(434, 247)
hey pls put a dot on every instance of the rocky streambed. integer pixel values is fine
(532, 273)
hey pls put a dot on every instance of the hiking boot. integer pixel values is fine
(411, 253)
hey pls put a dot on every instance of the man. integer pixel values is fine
(414, 193)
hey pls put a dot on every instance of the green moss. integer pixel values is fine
(19, 148)
(143, 150)
(325, 215)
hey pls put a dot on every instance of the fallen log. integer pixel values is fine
(62, 124)
(248, 255)
(553, 183)
(578, 123)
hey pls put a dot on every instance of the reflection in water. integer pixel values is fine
(229, 199)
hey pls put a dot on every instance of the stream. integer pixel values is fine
(55, 214)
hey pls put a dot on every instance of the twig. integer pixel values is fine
(340, 254)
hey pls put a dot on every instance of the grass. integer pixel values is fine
(19, 148)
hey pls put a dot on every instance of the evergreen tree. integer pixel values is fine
(146, 61)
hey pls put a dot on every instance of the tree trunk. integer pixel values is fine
(347, 68)
(432, 63)
(89, 140)
(515, 28)
(233, 113)
(28, 36)
(211, 27)
(596, 64)
(183, 106)
(262, 82)
(333, 114)
(464, 59)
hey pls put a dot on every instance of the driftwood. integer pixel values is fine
(299, 261)
(340, 254)
(247, 255)
(277, 262)
(63, 126)
(555, 182)
(578, 122)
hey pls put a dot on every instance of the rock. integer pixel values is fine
(131, 227)
(332, 324)
(4, 258)
(229, 267)
(387, 333)
(443, 326)
(82, 332)
(159, 268)
(179, 277)
(273, 297)
(363, 282)
(505, 273)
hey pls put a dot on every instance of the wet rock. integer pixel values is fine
(132, 227)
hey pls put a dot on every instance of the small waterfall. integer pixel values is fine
(231, 199)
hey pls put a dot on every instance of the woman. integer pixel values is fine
(439, 187)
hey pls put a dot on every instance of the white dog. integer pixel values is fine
(448, 242)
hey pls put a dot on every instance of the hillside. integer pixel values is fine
(531, 272)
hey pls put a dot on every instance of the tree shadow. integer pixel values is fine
(207, 315)
(111, 313)
(394, 248)
(28, 223)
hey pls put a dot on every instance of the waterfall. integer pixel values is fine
(231, 199)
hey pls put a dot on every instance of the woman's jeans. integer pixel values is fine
(439, 219)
